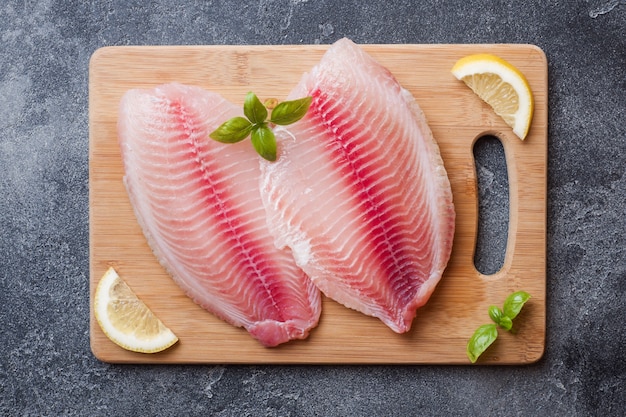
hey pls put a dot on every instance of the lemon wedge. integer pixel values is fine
(126, 320)
(500, 85)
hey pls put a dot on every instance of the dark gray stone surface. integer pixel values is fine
(46, 366)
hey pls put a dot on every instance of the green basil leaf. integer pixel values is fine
(232, 131)
(264, 142)
(482, 338)
(498, 316)
(289, 112)
(514, 303)
(254, 110)
(495, 313)
(506, 323)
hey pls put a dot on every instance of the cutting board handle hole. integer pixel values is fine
(493, 204)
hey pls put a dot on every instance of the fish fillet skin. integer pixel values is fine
(359, 191)
(199, 206)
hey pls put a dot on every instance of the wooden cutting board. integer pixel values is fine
(457, 117)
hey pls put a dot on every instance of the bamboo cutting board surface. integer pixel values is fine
(457, 117)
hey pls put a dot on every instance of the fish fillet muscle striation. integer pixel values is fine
(199, 206)
(359, 191)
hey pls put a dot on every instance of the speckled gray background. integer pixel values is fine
(46, 366)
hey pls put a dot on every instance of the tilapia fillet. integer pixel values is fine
(199, 205)
(359, 191)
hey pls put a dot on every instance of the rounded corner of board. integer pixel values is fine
(540, 53)
(100, 54)
(99, 353)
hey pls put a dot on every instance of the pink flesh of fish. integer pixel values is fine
(359, 190)
(199, 206)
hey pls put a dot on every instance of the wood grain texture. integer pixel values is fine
(457, 118)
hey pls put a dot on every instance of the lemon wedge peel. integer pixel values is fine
(126, 320)
(502, 86)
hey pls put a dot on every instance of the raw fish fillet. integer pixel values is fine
(359, 191)
(199, 206)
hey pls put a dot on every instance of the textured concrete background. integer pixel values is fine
(46, 366)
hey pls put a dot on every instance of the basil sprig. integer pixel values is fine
(503, 317)
(257, 126)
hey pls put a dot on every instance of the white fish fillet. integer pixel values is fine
(359, 191)
(199, 206)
